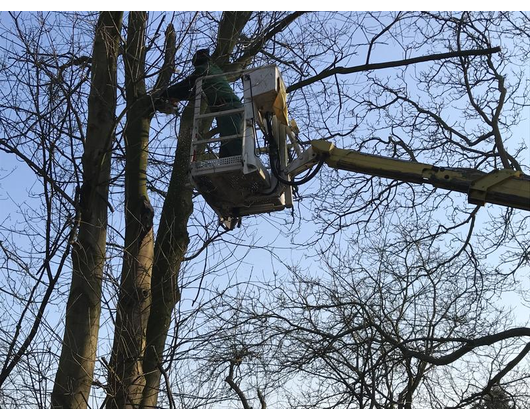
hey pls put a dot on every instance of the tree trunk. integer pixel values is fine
(126, 376)
(171, 245)
(172, 239)
(126, 381)
(76, 364)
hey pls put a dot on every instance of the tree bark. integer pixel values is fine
(389, 64)
(230, 27)
(172, 239)
(126, 375)
(170, 248)
(76, 364)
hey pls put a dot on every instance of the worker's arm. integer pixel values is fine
(168, 98)
(181, 91)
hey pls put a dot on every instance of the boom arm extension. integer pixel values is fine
(504, 187)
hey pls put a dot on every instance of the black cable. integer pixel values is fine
(305, 179)
(274, 160)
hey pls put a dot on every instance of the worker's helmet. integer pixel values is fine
(200, 57)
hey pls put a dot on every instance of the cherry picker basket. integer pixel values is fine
(244, 184)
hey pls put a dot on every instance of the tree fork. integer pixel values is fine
(126, 376)
(172, 239)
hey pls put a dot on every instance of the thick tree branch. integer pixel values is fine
(257, 44)
(230, 381)
(168, 67)
(469, 345)
(496, 379)
(262, 400)
(230, 27)
(389, 64)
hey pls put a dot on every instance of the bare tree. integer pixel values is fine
(74, 374)
(408, 279)
(370, 293)
(126, 377)
(42, 125)
(367, 332)
(172, 243)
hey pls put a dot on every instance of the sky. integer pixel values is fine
(18, 190)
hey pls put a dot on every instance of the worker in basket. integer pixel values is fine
(219, 96)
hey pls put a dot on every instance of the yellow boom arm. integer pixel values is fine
(504, 187)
